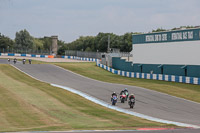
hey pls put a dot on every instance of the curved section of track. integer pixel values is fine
(148, 102)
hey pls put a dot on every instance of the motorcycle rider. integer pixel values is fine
(125, 90)
(15, 60)
(113, 94)
(24, 61)
(29, 61)
(131, 97)
(122, 92)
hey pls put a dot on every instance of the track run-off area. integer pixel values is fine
(148, 102)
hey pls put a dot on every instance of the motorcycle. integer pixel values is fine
(132, 102)
(24, 61)
(15, 61)
(126, 93)
(122, 98)
(114, 100)
(29, 61)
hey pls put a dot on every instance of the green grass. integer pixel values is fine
(187, 91)
(30, 105)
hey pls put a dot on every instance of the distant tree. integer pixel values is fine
(38, 44)
(60, 43)
(189, 27)
(88, 49)
(46, 43)
(100, 42)
(126, 45)
(61, 50)
(6, 42)
(23, 40)
(159, 30)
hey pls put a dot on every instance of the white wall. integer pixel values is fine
(187, 52)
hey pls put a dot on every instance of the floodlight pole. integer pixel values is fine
(108, 50)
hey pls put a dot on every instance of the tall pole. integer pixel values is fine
(108, 44)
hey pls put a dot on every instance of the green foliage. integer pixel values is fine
(5, 42)
(100, 42)
(38, 44)
(61, 50)
(46, 43)
(88, 49)
(159, 30)
(24, 40)
(60, 43)
(183, 27)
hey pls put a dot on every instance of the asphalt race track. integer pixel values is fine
(148, 102)
(5, 61)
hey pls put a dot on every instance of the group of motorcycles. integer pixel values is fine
(14, 60)
(23, 61)
(124, 96)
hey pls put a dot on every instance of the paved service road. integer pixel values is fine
(148, 102)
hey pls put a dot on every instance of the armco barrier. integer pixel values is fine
(80, 58)
(170, 78)
(49, 56)
(26, 55)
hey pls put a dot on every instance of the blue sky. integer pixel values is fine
(70, 19)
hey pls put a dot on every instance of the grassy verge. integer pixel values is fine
(29, 105)
(187, 91)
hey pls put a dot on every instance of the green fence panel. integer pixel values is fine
(178, 70)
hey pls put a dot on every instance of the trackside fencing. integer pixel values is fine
(26, 55)
(170, 78)
(80, 58)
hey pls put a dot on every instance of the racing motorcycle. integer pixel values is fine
(132, 102)
(126, 93)
(114, 100)
(15, 61)
(122, 97)
(24, 61)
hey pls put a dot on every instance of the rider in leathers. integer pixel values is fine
(131, 97)
(113, 94)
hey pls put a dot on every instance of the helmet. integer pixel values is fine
(125, 89)
(114, 92)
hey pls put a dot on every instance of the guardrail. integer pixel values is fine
(26, 55)
(170, 78)
(49, 56)
(80, 58)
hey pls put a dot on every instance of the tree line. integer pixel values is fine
(25, 42)
(99, 43)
